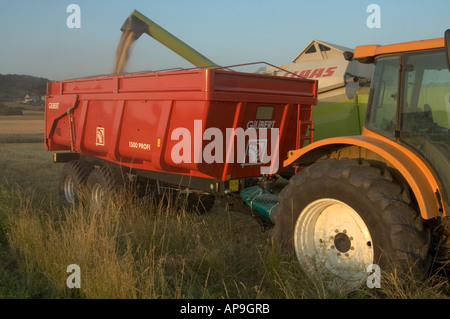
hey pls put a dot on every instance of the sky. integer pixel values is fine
(36, 40)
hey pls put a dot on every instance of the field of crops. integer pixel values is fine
(140, 248)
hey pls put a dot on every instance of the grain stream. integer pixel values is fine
(123, 50)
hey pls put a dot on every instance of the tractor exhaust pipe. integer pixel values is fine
(139, 24)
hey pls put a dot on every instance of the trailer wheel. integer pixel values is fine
(200, 202)
(340, 217)
(103, 182)
(73, 180)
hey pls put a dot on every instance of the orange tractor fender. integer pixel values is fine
(416, 173)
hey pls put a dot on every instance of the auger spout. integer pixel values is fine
(139, 24)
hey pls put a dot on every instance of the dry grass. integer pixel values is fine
(144, 249)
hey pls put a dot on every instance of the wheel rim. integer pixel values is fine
(331, 240)
(69, 189)
(96, 194)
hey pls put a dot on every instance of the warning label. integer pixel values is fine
(100, 136)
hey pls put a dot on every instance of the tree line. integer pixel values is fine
(14, 87)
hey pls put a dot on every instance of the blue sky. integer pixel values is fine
(35, 39)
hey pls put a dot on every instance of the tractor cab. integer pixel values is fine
(410, 104)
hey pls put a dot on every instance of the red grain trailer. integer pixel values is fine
(194, 129)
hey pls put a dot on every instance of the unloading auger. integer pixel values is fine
(139, 24)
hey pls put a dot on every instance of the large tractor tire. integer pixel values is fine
(341, 216)
(73, 180)
(104, 182)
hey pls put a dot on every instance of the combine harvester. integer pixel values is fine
(209, 132)
(343, 87)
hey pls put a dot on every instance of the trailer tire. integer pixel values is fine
(200, 203)
(73, 179)
(340, 217)
(104, 182)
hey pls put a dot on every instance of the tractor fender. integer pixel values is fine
(414, 170)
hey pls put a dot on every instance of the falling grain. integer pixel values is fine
(123, 50)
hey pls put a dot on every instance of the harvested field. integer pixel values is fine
(28, 128)
(21, 124)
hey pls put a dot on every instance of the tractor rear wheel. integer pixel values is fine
(341, 216)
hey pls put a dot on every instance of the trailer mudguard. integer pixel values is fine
(417, 174)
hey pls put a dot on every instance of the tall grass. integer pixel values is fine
(146, 248)
(143, 250)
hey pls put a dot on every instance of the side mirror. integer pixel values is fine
(349, 55)
(447, 47)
